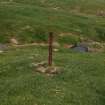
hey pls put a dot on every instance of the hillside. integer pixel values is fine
(82, 81)
(77, 74)
(27, 19)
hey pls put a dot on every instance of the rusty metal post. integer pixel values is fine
(50, 48)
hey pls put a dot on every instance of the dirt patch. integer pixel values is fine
(48, 70)
(15, 44)
(65, 34)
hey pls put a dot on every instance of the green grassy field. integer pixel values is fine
(27, 19)
(82, 81)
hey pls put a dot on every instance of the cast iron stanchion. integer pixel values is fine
(50, 49)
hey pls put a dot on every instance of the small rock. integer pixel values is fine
(1, 51)
(55, 50)
(44, 64)
(68, 46)
(14, 41)
(41, 69)
(52, 70)
(56, 8)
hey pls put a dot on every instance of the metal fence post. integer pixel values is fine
(50, 49)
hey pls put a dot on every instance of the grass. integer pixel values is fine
(30, 17)
(82, 81)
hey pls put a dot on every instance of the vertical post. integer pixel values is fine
(50, 48)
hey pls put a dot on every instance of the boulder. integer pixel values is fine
(80, 48)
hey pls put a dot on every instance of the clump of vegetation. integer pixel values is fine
(3, 38)
(36, 36)
(101, 33)
(68, 39)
